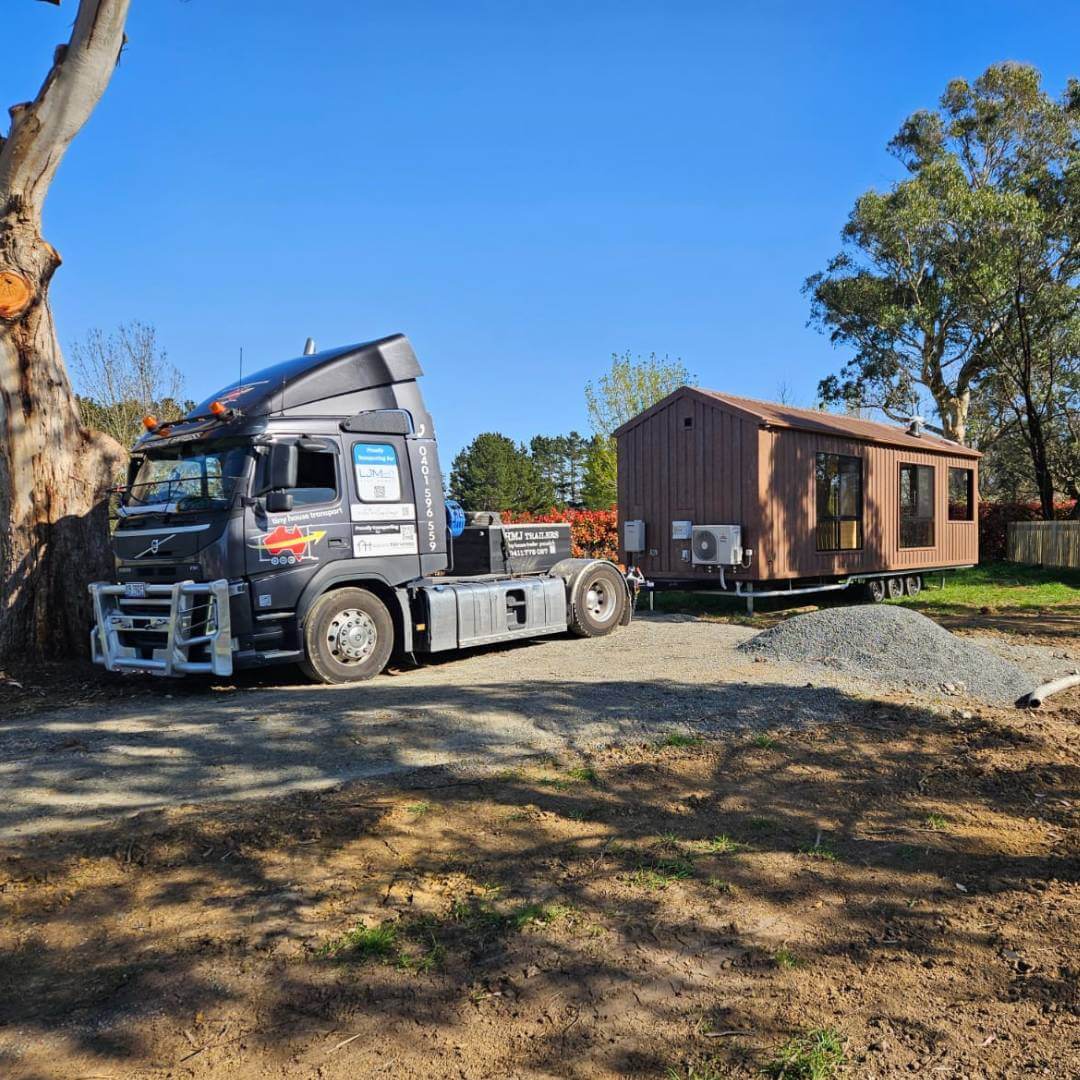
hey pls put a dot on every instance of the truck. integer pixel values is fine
(297, 516)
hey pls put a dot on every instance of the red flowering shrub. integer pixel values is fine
(994, 521)
(593, 533)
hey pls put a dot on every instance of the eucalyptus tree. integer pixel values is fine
(961, 278)
(53, 470)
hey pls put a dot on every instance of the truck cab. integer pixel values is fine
(298, 516)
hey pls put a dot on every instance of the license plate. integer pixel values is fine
(135, 590)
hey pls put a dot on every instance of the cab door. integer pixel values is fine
(383, 506)
(284, 550)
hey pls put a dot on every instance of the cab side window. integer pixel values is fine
(316, 478)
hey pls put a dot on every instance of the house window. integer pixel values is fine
(316, 478)
(916, 506)
(839, 502)
(961, 494)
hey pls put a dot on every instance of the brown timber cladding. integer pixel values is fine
(691, 458)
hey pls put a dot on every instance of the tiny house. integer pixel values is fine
(758, 498)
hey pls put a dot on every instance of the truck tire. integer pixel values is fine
(348, 637)
(913, 584)
(597, 601)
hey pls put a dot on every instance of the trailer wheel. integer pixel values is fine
(597, 601)
(895, 585)
(913, 584)
(875, 590)
(348, 636)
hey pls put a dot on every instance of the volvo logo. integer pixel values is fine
(155, 546)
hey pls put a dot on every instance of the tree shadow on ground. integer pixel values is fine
(577, 919)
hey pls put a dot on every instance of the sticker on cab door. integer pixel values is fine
(286, 546)
(378, 478)
(384, 540)
(383, 511)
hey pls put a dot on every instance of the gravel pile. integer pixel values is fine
(893, 646)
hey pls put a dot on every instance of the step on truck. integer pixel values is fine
(298, 516)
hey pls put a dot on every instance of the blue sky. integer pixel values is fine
(523, 188)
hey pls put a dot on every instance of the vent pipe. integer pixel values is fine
(309, 347)
(915, 426)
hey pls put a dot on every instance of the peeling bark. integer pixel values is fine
(53, 472)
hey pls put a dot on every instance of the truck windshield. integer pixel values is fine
(185, 478)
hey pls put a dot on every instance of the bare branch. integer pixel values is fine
(42, 130)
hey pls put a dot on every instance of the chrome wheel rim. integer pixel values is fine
(351, 636)
(600, 600)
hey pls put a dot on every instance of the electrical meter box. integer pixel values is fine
(634, 537)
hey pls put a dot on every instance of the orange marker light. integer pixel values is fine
(217, 408)
(149, 422)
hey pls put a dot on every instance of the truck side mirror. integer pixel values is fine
(282, 466)
(278, 502)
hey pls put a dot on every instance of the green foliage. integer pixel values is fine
(493, 473)
(627, 388)
(630, 386)
(960, 282)
(815, 1055)
(599, 489)
(561, 461)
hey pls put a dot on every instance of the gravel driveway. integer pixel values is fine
(81, 766)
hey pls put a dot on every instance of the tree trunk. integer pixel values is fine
(53, 475)
(53, 472)
(954, 409)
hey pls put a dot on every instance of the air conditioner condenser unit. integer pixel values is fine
(717, 545)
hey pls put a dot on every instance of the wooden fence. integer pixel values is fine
(1045, 543)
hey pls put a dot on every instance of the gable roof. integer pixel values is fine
(774, 415)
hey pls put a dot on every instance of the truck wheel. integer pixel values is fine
(875, 590)
(597, 601)
(348, 636)
(896, 588)
(913, 584)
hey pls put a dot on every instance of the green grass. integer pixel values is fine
(419, 809)
(937, 822)
(678, 739)
(583, 774)
(819, 850)
(1001, 587)
(764, 742)
(723, 845)
(704, 1070)
(660, 873)
(363, 943)
(814, 1055)
(785, 959)
(579, 774)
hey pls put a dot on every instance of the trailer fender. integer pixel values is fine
(573, 570)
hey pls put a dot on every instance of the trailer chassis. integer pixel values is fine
(745, 589)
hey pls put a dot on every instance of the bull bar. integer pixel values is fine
(169, 613)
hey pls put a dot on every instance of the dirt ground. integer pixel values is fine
(744, 863)
(94, 758)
